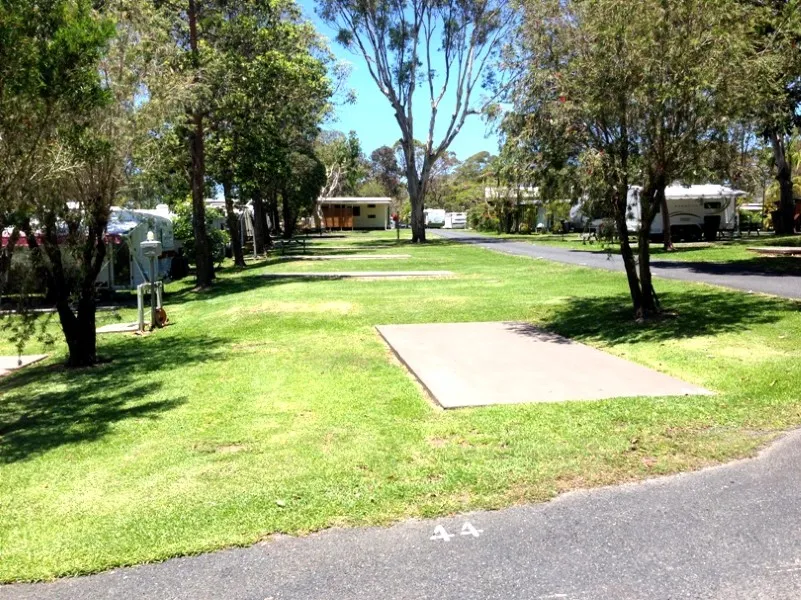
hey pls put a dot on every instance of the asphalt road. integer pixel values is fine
(775, 284)
(728, 533)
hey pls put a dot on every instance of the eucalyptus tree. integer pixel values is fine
(446, 47)
(344, 167)
(48, 102)
(386, 171)
(777, 35)
(270, 89)
(97, 97)
(639, 92)
(301, 186)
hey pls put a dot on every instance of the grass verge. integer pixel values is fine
(273, 406)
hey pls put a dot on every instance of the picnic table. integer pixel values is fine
(291, 244)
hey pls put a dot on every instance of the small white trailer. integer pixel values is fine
(435, 217)
(455, 220)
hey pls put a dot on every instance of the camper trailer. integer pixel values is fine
(435, 217)
(696, 212)
(455, 220)
(126, 266)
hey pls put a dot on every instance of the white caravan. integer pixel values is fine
(126, 266)
(435, 217)
(695, 211)
(455, 220)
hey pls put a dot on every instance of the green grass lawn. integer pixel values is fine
(732, 252)
(273, 406)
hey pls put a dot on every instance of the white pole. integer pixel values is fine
(140, 305)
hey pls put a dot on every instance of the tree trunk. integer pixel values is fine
(667, 240)
(275, 217)
(79, 330)
(416, 189)
(233, 225)
(290, 219)
(260, 232)
(628, 257)
(784, 225)
(203, 261)
(319, 220)
(418, 222)
(649, 306)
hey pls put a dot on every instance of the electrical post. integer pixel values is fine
(152, 250)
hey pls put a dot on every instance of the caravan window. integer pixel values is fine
(357, 211)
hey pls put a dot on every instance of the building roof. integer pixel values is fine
(355, 200)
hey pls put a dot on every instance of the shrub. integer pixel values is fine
(184, 232)
(480, 219)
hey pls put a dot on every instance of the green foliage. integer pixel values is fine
(482, 218)
(617, 93)
(387, 171)
(398, 41)
(185, 233)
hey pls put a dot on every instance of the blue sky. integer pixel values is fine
(371, 116)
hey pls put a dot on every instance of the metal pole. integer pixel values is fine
(140, 306)
(152, 292)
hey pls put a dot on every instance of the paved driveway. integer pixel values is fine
(728, 533)
(776, 284)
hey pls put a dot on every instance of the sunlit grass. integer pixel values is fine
(273, 406)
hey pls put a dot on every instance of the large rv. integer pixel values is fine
(696, 212)
(435, 217)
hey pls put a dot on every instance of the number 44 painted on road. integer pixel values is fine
(440, 533)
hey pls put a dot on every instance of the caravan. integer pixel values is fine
(435, 217)
(696, 212)
(126, 266)
(455, 220)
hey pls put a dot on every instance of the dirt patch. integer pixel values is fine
(275, 306)
(209, 448)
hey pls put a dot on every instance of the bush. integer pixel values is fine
(524, 228)
(184, 232)
(480, 219)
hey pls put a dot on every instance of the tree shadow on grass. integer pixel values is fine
(82, 405)
(610, 320)
(759, 265)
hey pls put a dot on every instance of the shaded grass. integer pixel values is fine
(273, 406)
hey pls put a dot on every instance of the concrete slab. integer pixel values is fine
(777, 250)
(477, 364)
(12, 363)
(345, 256)
(351, 247)
(118, 328)
(359, 275)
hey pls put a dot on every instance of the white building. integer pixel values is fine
(347, 212)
